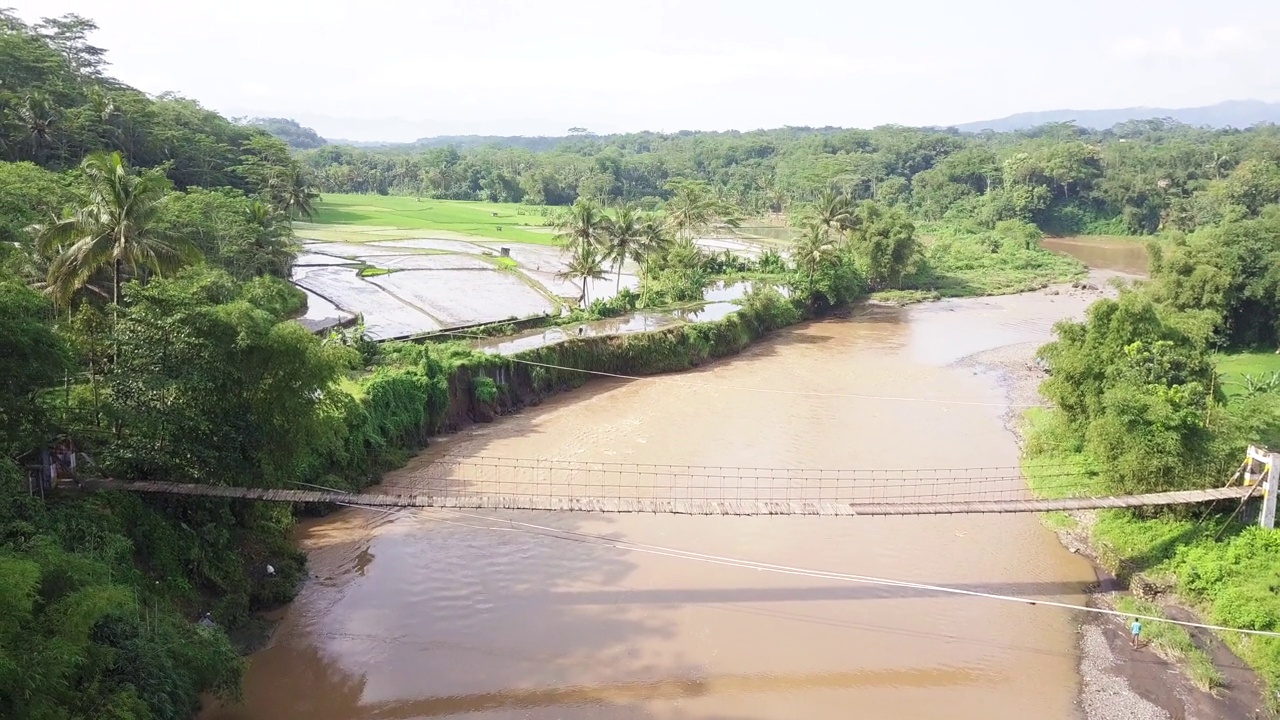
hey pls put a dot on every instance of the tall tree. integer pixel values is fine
(583, 225)
(694, 207)
(833, 211)
(885, 240)
(813, 248)
(36, 115)
(291, 193)
(586, 263)
(69, 35)
(654, 239)
(622, 239)
(32, 357)
(112, 228)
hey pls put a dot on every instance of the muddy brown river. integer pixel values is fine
(422, 615)
(1126, 255)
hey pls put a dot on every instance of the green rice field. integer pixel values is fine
(497, 221)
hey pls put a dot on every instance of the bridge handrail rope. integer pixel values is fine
(471, 476)
(919, 472)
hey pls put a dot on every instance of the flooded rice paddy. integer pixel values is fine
(436, 284)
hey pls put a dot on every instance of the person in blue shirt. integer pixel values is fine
(1135, 629)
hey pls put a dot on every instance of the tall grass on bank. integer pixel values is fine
(1174, 643)
(965, 262)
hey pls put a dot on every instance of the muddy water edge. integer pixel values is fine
(1117, 254)
(422, 615)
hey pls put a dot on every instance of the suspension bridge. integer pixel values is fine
(489, 483)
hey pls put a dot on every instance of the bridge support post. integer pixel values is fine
(1270, 490)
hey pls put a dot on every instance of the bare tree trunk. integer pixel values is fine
(115, 329)
(93, 385)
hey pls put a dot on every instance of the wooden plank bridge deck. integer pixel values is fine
(464, 501)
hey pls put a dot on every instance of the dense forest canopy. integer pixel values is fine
(1135, 178)
(143, 246)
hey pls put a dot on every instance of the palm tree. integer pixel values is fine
(113, 227)
(833, 211)
(812, 248)
(654, 239)
(583, 225)
(292, 193)
(586, 262)
(36, 115)
(621, 239)
(694, 207)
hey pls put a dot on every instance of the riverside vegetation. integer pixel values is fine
(144, 314)
(1156, 390)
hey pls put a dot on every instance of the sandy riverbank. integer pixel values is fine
(1117, 682)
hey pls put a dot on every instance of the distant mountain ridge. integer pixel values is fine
(1232, 113)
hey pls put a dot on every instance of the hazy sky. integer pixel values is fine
(402, 69)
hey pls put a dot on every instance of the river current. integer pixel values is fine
(420, 615)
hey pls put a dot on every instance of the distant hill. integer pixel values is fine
(1232, 113)
(290, 131)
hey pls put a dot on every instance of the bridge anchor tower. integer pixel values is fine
(1264, 468)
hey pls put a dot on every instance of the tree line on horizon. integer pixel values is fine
(1136, 178)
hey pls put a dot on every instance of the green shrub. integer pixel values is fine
(485, 389)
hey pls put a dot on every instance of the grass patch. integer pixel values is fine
(499, 221)
(1053, 465)
(371, 271)
(1174, 643)
(506, 263)
(1058, 521)
(1234, 367)
(904, 297)
(963, 264)
(352, 385)
(1053, 469)
(752, 276)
